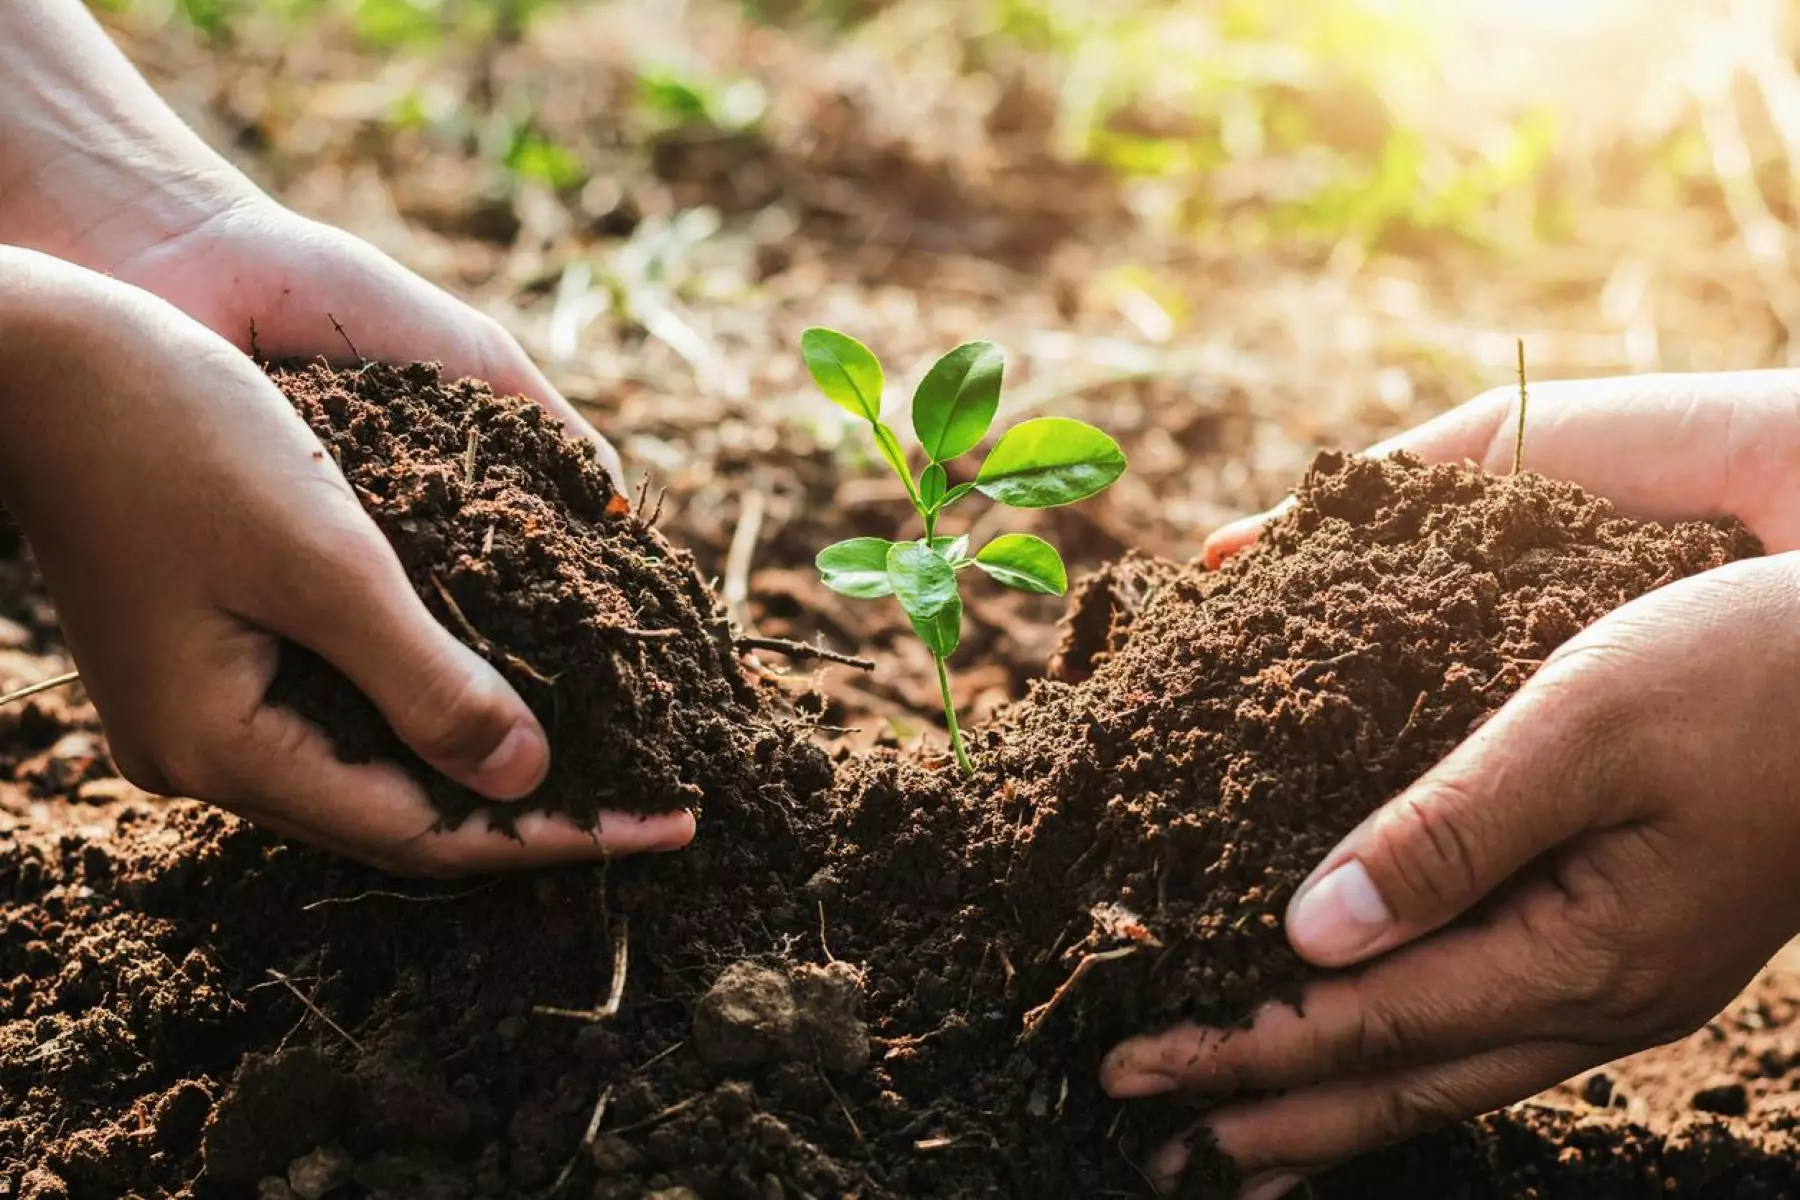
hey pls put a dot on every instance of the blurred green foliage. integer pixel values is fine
(1260, 118)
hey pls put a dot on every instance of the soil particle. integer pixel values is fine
(515, 538)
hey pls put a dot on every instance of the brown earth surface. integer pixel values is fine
(839, 990)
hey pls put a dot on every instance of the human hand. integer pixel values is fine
(1599, 868)
(186, 520)
(95, 169)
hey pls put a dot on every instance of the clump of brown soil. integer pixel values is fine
(515, 538)
(1171, 802)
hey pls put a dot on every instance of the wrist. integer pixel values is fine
(94, 166)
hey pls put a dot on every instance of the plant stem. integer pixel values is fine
(956, 741)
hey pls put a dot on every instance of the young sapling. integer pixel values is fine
(1040, 463)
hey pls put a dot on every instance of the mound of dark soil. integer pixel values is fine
(516, 539)
(863, 986)
(1242, 722)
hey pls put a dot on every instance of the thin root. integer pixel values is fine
(673, 1110)
(314, 1009)
(468, 463)
(481, 643)
(802, 651)
(645, 635)
(844, 1108)
(616, 997)
(343, 333)
(377, 894)
(25, 693)
(1034, 1020)
(587, 1139)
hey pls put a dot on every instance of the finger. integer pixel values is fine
(1463, 992)
(1543, 770)
(391, 314)
(285, 774)
(540, 839)
(513, 373)
(1228, 540)
(1307, 1131)
(342, 594)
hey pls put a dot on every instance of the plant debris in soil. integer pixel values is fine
(890, 984)
(515, 538)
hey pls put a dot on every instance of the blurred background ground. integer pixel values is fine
(1229, 231)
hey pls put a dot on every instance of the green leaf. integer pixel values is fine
(895, 457)
(956, 400)
(1028, 563)
(932, 483)
(857, 568)
(920, 577)
(845, 371)
(1050, 461)
(953, 495)
(951, 549)
(943, 632)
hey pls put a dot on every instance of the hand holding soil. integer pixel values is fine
(207, 522)
(1599, 868)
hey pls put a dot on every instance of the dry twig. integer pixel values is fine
(802, 651)
(314, 1009)
(1034, 1020)
(616, 995)
(43, 685)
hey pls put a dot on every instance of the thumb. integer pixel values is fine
(441, 698)
(1530, 779)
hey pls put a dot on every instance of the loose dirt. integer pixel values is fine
(516, 539)
(849, 985)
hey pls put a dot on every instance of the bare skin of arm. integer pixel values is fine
(176, 584)
(1626, 823)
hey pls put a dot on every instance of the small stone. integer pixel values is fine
(75, 747)
(510, 1029)
(274, 1187)
(674, 1193)
(746, 1018)
(1597, 1090)
(614, 1155)
(829, 998)
(1725, 1096)
(321, 1172)
(110, 790)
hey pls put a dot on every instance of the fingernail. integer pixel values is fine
(1340, 917)
(1138, 1085)
(1270, 1187)
(516, 766)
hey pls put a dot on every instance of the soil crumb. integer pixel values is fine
(515, 538)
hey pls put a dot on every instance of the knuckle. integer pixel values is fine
(1429, 855)
(1381, 1042)
(140, 770)
(453, 719)
(1405, 1111)
(189, 769)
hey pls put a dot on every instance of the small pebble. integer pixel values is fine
(274, 1187)
(320, 1173)
(1598, 1089)
(511, 1029)
(1724, 1096)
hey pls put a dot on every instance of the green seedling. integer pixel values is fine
(1040, 463)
